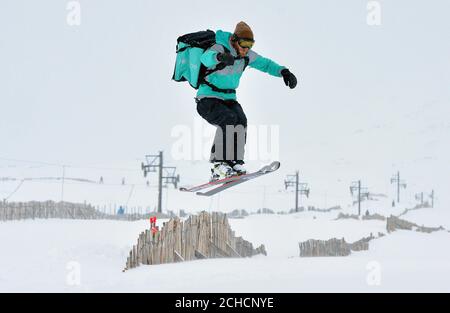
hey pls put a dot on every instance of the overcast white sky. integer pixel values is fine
(369, 99)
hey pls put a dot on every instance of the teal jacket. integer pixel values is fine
(228, 77)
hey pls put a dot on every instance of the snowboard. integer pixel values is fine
(225, 183)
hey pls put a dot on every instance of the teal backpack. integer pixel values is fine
(188, 66)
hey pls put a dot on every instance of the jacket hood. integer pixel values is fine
(223, 38)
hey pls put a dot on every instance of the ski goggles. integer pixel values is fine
(245, 43)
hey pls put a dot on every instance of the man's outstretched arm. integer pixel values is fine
(266, 65)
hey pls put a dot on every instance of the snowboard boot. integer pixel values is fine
(221, 170)
(238, 167)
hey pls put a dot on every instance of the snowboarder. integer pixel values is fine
(216, 96)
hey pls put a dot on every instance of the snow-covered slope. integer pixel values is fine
(43, 255)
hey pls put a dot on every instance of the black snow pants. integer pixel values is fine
(231, 133)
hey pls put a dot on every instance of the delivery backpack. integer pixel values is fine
(188, 66)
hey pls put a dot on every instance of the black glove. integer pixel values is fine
(289, 78)
(225, 58)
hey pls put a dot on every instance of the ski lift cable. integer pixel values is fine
(72, 165)
(131, 193)
(15, 190)
(79, 182)
(75, 179)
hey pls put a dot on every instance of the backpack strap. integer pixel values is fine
(219, 67)
(216, 89)
(247, 60)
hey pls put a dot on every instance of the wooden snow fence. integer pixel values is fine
(393, 223)
(333, 247)
(339, 247)
(375, 216)
(346, 216)
(46, 209)
(199, 237)
(10, 211)
(334, 208)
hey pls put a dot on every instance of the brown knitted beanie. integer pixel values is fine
(243, 31)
